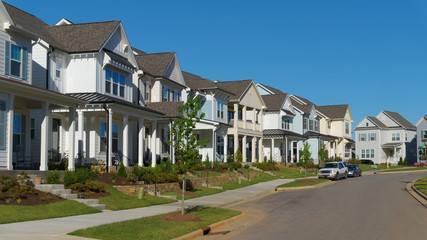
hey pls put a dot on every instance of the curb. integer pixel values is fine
(419, 196)
(324, 184)
(203, 231)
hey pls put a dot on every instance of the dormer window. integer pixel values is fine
(220, 110)
(285, 123)
(347, 128)
(165, 94)
(58, 70)
(115, 83)
(16, 60)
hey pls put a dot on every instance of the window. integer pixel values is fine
(176, 96)
(395, 137)
(220, 110)
(316, 125)
(3, 125)
(165, 94)
(363, 153)
(33, 128)
(311, 124)
(372, 153)
(367, 124)
(103, 137)
(240, 115)
(230, 116)
(305, 123)
(257, 117)
(220, 145)
(362, 137)
(147, 92)
(15, 60)
(58, 70)
(406, 136)
(108, 80)
(424, 134)
(329, 125)
(372, 136)
(347, 128)
(115, 138)
(122, 85)
(285, 123)
(115, 82)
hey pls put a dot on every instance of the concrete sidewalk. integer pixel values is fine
(57, 228)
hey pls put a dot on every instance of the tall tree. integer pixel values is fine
(185, 141)
(305, 157)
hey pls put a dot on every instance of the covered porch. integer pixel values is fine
(391, 151)
(281, 145)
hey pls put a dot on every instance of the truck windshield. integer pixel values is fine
(331, 165)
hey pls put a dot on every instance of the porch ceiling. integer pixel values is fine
(390, 145)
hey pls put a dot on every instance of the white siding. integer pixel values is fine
(82, 75)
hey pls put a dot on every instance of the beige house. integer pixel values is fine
(245, 111)
(336, 121)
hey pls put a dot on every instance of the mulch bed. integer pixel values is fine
(178, 217)
(105, 178)
(306, 181)
(30, 200)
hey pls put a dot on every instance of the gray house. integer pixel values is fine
(422, 138)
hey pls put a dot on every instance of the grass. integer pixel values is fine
(303, 183)
(407, 169)
(421, 185)
(208, 173)
(15, 213)
(154, 227)
(366, 167)
(198, 192)
(118, 200)
(286, 172)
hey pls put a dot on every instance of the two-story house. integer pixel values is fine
(160, 86)
(386, 138)
(245, 110)
(214, 125)
(19, 96)
(337, 122)
(422, 139)
(93, 62)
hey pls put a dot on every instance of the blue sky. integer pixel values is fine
(369, 54)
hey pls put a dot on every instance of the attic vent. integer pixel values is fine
(125, 48)
(367, 124)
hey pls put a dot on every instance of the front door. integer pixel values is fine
(19, 140)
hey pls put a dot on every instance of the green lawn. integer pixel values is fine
(407, 169)
(304, 183)
(286, 172)
(118, 200)
(366, 167)
(14, 213)
(421, 184)
(154, 227)
(198, 192)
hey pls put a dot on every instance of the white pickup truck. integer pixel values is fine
(333, 170)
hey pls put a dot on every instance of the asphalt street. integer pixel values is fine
(368, 207)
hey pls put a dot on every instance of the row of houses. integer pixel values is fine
(82, 91)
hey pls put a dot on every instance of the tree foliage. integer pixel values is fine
(323, 154)
(305, 157)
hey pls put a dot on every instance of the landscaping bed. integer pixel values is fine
(29, 200)
(421, 185)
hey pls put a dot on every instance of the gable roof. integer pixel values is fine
(274, 102)
(237, 88)
(169, 109)
(196, 82)
(154, 64)
(423, 118)
(303, 104)
(333, 111)
(271, 89)
(400, 120)
(377, 122)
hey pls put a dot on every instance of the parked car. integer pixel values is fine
(367, 161)
(354, 170)
(333, 170)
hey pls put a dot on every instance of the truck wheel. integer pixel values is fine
(337, 177)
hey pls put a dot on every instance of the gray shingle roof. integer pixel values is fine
(272, 89)
(154, 64)
(118, 58)
(235, 87)
(311, 134)
(280, 132)
(169, 109)
(274, 102)
(377, 122)
(303, 107)
(97, 98)
(196, 82)
(401, 120)
(333, 111)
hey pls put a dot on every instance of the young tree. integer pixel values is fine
(185, 141)
(323, 154)
(305, 156)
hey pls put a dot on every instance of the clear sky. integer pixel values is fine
(369, 54)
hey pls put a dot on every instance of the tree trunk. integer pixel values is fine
(183, 193)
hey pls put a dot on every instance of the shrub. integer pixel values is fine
(266, 166)
(7, 182)
(113, 176)
(78, 187)
(23, 178)
(122, 170)
(19, 201)
(207, 163)
(217, 165)
(53, 177)
(354, 161)
(405, 161)
(69, 178)
(95, 186)
(238, 156)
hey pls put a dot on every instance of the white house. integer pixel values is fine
(422, 138)
(386, 138)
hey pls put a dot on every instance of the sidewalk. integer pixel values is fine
(57, 228)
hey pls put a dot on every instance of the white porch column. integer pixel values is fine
(329, 149)
(244, 117)
(286, 150)
(225, 147)
(141, 133)
(260, 151)
(297, 157)
(272, 149)
(126, 140)
(71, 142)
(253, 148)
(236, 143)
(81, 124)
(236, 118)
(213, 145)
(172, 146)
(44, 136)
(153, 144)
(254, 119)
(10, 113)
(110, 138)
(335, 148)
(244, 148)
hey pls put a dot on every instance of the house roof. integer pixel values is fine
(377, 122)
(154, 64)
(305, 107)
(199, 83)
(72, 38)
(169, 109)
(274, 102)
(273, 90)
(333, 111)
(139, 52)
(401, 120)
(236, 87)
(281, 132)
(97, 98)
(311, 134)
(117, 58)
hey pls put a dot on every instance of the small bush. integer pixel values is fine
(95, 186)
(52, 177)
(122, 170)
(217, 165)
(18, 201)
(266, 166)
(7, 182)
(23, 178)
(113, 176)
(78, 187)
(354, 161)
(69, 178)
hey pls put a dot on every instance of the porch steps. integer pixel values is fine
(58, 189)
